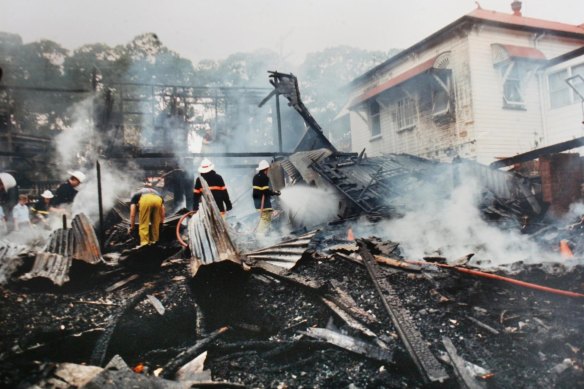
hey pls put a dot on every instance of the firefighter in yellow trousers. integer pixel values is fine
(150, 207)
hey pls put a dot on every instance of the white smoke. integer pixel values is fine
(114, 185)
(73, 144)
(452, 227)
(309, 206)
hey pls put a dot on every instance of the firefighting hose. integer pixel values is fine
(501, 278)
(178, 237)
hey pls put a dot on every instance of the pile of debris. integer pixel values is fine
(318, 309)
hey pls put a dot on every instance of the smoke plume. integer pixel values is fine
(451, 226)
(309, 206)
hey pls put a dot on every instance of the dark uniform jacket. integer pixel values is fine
(65, 194)
(218, 189)
(261, 189)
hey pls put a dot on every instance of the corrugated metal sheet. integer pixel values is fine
(52, 266)
(304, 159)
(285, 254)
(86, 245)
(209, 238)
(54, 261)
(503, 184)
(371, 183)
(9, 262)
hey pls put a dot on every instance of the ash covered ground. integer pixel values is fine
(533, 339)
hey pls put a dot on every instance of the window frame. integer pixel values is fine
(442, 88)
(374, 118)
(403, 122)
(512, 81)
(564, 87)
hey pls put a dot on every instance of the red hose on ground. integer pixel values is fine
(180, 241)
(501, 278)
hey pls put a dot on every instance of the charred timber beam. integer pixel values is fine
(465, 380)
(427, 364)
(101, 346)
(534, 154)
(349, 343)
(175, 363)
(323, 174)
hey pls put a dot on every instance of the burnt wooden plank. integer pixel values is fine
(427, 364)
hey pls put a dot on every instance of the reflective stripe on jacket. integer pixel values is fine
(218, 189)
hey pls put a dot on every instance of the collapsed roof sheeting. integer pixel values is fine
(369, 183)
(86, 245)
(502, 184)
(209, 238)
(382, 184)
(302, 161)
(54, 261)
(8, 264)
(285, 254)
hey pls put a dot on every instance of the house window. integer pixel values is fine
(441, 93)
(406, 114)
(512, 94)
(560, 93)
(374, 118)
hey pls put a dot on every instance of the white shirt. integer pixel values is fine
(20, 213)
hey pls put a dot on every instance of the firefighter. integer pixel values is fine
(262, 194)
(216, 184)
(150, 206)
(40, 210)
(67, 191)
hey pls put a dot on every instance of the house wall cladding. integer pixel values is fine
(429, 138)
(486, 127)
(502, 131)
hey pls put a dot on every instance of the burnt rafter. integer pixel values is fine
(287, 86)
(427, 364)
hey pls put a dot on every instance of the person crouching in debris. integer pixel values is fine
(67, 191)
(21, 214)
(216, 185)
(40, 210)
(150, 207)
(262, 196)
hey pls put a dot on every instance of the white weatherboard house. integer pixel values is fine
(487, 86)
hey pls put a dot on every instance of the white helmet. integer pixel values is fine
(8, 181)
(77, 174)
(206, 166)
(263, 165)
(47, 194)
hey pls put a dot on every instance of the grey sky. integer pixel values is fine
(213, 29)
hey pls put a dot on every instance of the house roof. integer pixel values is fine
(510, 19)
(482, 16)
(394, 81)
